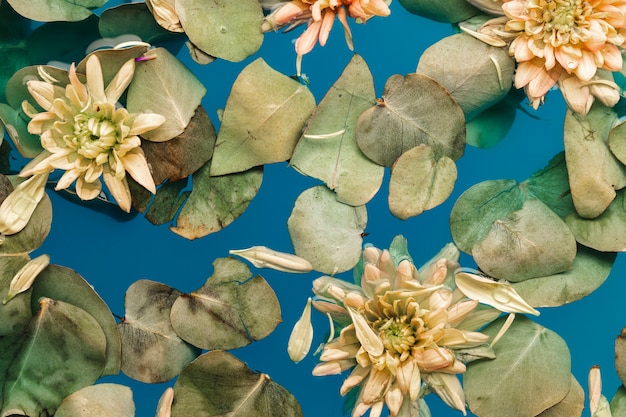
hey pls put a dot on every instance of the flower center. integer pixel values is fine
(562, 20)
(95, 134)
(397, 335)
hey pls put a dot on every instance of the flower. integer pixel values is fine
(320, 16)
(403, 332)
(564, 42)
(85, 133)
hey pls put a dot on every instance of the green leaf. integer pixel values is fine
(447, 11)
(420, 181)
(618, 403)
(531, 372)
(476, 74)
(229, 311)
(218, 384)
(263, 119)
(414, 110)
(528, 243)
(133, 18)
(16, 313)
(101, 400)
(111, 60)
(551, 185)
(489, 127)
(51, 11)
(620, 355)
(164, 85)
(589, 271)
(230, 30)
(570, 406)
(152, 352)
(328, 150)
(594, 173)
(66, 285)
(17, 90)
(325, 232)
(62, 350)
(12, 45)
(16, 126)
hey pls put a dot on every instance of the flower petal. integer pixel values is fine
(120, 82)
(301, 336)
(95, 81)
(25, 277)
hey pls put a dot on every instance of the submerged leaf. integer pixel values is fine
(448, 11)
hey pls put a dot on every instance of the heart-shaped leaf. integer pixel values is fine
(101, 400)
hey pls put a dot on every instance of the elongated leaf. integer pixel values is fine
(326, 232)
(151, 350)
(62, 10)
(328, 150)
(230, 310)
(528, 356)
(570, 406)
(102, 400)
(218, 384)
(164, 85)
(414, 110)
(263, 119)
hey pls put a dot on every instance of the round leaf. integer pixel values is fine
(17, 312)
(328, 150)
(531, 372)
(414, 110)
(448, 11)
(326, 232)
(263, 119)
(222, 28)
(132, 18)
(151, 351)
(551, 185)
(102, 400)
(570, 406)
(229, 311)
(61, 10)
(476, 74)
(218, 384)
(420, 182)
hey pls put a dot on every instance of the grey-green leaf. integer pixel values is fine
(17, 312)
(16, 126)
(326, 232)
(101, 400)
(570, 406)
(50, 11)
(230, 310)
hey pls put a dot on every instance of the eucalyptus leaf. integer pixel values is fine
(476, 74)
(594, 172)
(326, 232)
(152, 352)
(419, 181)
(589, 271)
(618, 403)
(218, 384)
(163, 206)
(570, 406)
(528, 243)
(50, 11)
(328, 151)
(489, 127)
(620, 355)
(64, 284)
(27, 144)
(17, 89)
(132, 18)
(225, 29)
(448, 11)
(111, 60)
(262, 121)
(16, 313)
(413, 110)
(101, 400)
(551, 185)
(164, 85)
(62, 350)
(531, 372)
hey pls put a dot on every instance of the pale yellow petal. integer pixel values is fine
(448, 388)
(95, 82)
(333, 367)
(18, 207)
(118, 188)
(120, 82)
(88, 190)
(134, 162)
(164, 407)
(25, 277)
(264, 257)
(355, 378)
(368, 338)
(301, 336)
(145, 122)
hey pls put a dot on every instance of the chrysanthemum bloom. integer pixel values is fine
(320, 16)
(85, 133)
(564, 42)
(403, 331)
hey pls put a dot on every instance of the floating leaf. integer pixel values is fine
(328, 151)
(618, 403)
(16, 313)
(414, 110)
(262, 121)
(594, 173)
(164, 85)
(62, 350)
(530, 242)
(62, 10)
(551, 185)
(101, 400)
(132, 18)
(570, 406)
(489, 127)
(16, 126)
(419, 181)
(165, 203)
(326, 232)
(218, 384)
(589, 271)
(528, 356)
(152, 352)
(620, 355)
(476, 74)
(230, 310)
(448, 11)
(111, 61)
(222, 28)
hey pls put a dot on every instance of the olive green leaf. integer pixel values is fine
(263, 119)
(16, 126)
(570, 406)
(111, 60)
(618, 403)
(152, 352)
(589, 271)
(476, 74)
(17, 312)
(448, 11)
(230, 310)
(620, 355)
(64, 284)
(218, 384)
(61, 351)
(230, 30)
(413, 110)
(51, 11)
(420, 181)
(594, 172)
(528, 356)
(551, 185)
(530, 242)
(161, 207)
(133, 18)
(326, 232)
(101, 400)
(164, 85)
(328, 151)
